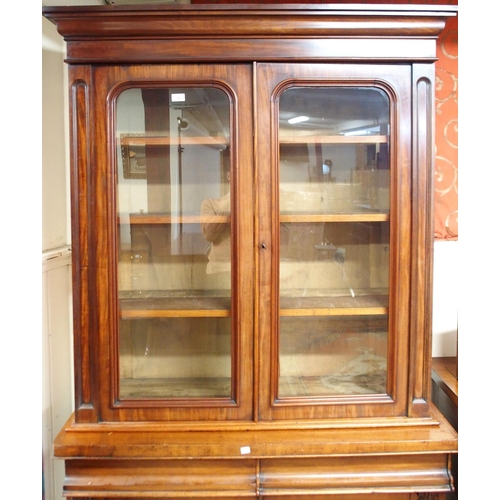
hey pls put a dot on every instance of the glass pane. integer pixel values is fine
(334, 145)
(334, 241)
(172, 357)
(327, 355)
(174, 241)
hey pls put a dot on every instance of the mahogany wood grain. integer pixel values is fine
(84, 320)
(246, 461)
(274, 78)
(338, 437)
(252, 444)
(422, 249)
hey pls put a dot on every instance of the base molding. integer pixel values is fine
(267, 478)
(399, 462)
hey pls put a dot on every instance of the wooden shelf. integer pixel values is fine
(148, 218)
(333, 139)
(220, 307)
(171, 313)
(348, 311)
(345, 305)
(166, 141)
(167, 388)
(334, 217)
(173, 306)
(159, 219)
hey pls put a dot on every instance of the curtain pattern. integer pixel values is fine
(446, 167)
(446, 147)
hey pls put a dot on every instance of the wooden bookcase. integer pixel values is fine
(252, 252)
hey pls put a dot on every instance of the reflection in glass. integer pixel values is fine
(334, 241)
(174, 239)
(325, 356)
(173, 357)
(335, 159)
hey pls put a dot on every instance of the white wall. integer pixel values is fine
(57, 371)
(446, 289)
(54, 119)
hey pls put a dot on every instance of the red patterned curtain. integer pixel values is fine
(446, 170)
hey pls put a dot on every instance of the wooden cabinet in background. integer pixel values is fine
(252, 236)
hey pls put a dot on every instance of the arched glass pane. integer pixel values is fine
(334, 187)
(174, 243)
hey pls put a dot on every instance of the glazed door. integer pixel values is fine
(185, 290)
(334, 241)
(179, 169)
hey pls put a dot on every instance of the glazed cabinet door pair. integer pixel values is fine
(244, 241)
